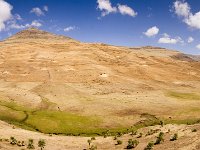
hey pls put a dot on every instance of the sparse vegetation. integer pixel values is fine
(160, 138)
(183, 96)
(175, 137)
(13, 141)
(194, 130)
(30, 144)
(41, 143)
(140, 135)
(132, 144)
(119, 142)
(149, 146)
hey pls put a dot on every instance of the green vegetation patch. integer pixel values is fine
(49, 121)
(183, 96)
(61, 122)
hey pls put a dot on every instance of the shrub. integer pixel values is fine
(175, 137)
(162, 123)
(23, 143)
(194, 130)
(149, 146)
(89, 142)
(41, 144)
(160, 138)
(115, 138)
(19, 143)
(140, 135)
(13, 141)
(119, 142)
(93, 138)
(132, 144)
(30, 144)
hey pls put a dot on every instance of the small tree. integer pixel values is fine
(89, 142)
(132, 144)
(93, 138)
(194, 130)
(149, 146)
(119, 142)
(13, 141)
(175, 137)
(160, 138)
(30, 144)
(41, 144)
(140, 135)
(162, 123)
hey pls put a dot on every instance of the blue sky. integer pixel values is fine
(173, 24)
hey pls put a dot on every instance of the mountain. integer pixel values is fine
(115, 85)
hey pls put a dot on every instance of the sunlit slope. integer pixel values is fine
(112, 85)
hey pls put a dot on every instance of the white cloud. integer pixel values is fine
(166, 39)
(152, 31)
(190, 39)
(45, 8)
(126, 10)
(183, 10)
(5, 13)
(193, 20)
(70, 28)
(106, 7)
(198, 46)
(34, 23)
(37, 11)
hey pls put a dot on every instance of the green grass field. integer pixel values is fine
(58, 122)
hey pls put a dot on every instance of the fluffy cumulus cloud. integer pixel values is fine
(70, 28)
(106, 7)
(198, 46)
(34, 23)
(126, 10)
(5, 13)
(37, 11)
(166, 39)
(183, 9)
(152, 31)
(190, 39)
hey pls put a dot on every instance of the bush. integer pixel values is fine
(115, 138)
(194, 130)
(30, 144)
(162, 123)
(41, 144)
(119, 142)
(19, 143)
(140, 135)
(13, 141)
(93, 138)
(160, 138)
(149, 146)
(132, 144)
(175, 137)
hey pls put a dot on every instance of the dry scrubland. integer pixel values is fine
(54, 84)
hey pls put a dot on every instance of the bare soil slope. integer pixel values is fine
(102, 86)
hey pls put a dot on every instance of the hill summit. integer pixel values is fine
(36, 34)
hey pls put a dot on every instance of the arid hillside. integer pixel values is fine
(55, 84)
